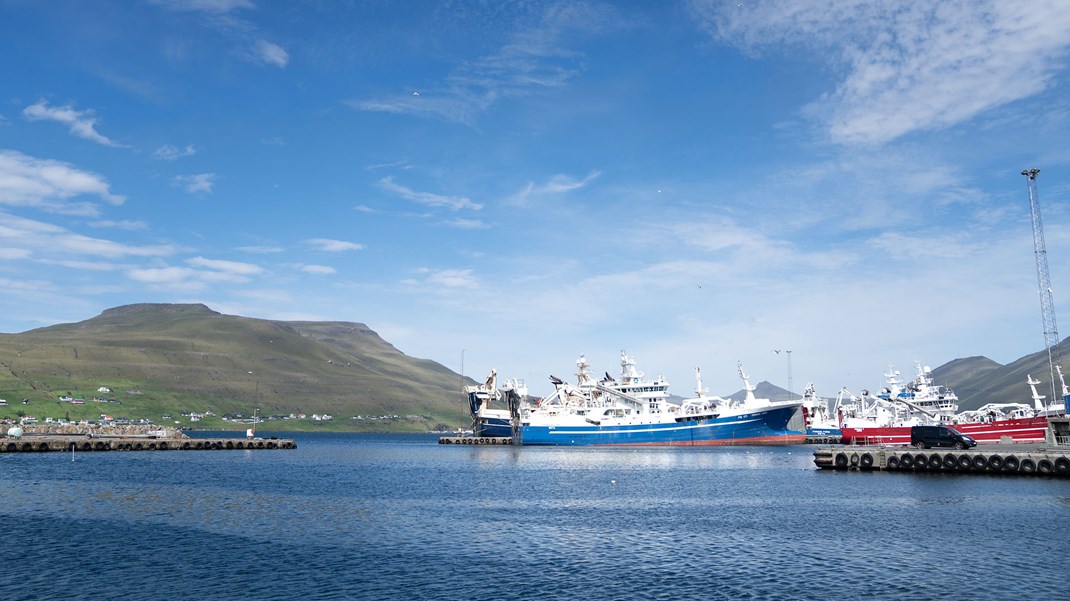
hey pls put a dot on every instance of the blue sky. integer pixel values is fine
(695, 182)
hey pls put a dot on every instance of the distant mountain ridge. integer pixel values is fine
(980, 380)
(172, 357)
(167, 358)
(975, 380)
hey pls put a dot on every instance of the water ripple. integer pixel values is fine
(401, 518)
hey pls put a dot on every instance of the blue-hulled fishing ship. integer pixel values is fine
(487, 420)
(635, 411)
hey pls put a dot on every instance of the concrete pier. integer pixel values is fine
(44, 443)
(1022, 460)
(827, 439)
(476, 440)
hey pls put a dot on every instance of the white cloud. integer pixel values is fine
(261, 249)
(467, 224)
(171, 153)
(453, 278)
(907, 67)
(202, 272)
(536, 58)
(49, 185)
(557, 184)
(201, 182)
(23, 286)
(454, 203)
(14, 254)
(84, 265)
(328, 245)
(272, 54)
(82, 123)
(318, 269)
(164, 275)
(221, 16)
(234, 267)
(47, 239)
(125, 224)
(207, 6)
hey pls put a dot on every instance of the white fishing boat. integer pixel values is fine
(887, 417)
(820, 421)
(488, 420)
(636, 411)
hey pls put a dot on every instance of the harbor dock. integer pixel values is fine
(45, 443)
(1009, 459)
(476, 440)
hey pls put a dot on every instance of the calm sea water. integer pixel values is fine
(400, 517)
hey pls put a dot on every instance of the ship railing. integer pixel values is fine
(877, 441)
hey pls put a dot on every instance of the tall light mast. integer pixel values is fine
(1047, 303)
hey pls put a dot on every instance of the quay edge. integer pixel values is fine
(476, 440)
(37, 444)
(1022, 460)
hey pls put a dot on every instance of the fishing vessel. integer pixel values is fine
(820, 422)
(636, 411)
(886, 418)
(488, 420)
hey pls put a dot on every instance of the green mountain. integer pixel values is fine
(158, 359)
(979, 380)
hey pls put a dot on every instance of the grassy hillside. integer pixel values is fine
(169, 359)
(979, 380)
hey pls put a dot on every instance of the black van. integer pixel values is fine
(924, 437)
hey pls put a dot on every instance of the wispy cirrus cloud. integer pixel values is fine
(125, 224)
(537, 58)
(50, 185)
(262, 249)
(328, 245)
(467, 224)
(318, 269)
(429, 199)
(50, 240)
(168, 152)
(201, 182)
(82, 123)
(557, 184)
(208, 6)
(235, 267)
(906, 67)
(444, 279)
(199, 273)
(271, 54)
(14, 254)
(221, 15)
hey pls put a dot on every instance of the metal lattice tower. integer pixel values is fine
(1047, 302)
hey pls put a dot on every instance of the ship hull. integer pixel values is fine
(1033, 429)
(762, 427)
(492, 426)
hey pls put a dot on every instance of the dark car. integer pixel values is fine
(924, 437)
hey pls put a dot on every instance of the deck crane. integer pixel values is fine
(1047, 303)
